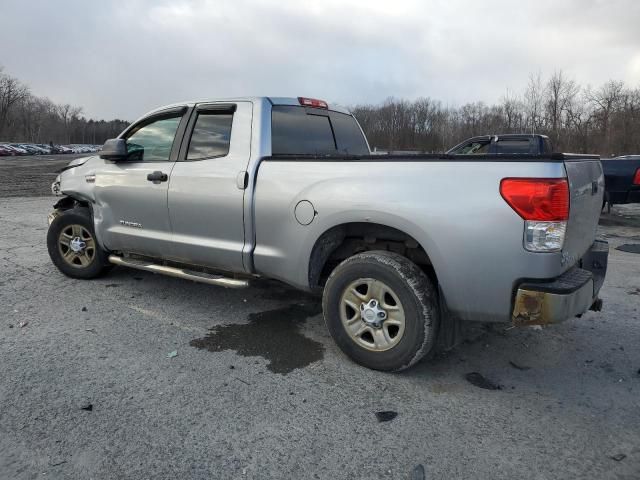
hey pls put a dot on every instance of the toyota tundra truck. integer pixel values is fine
(403, 248)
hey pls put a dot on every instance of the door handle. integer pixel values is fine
(157, 177)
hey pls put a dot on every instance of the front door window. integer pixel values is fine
(152, 142)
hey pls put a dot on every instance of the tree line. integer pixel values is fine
(27, 118)
(603, 120)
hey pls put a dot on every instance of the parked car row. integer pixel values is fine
(10, 149)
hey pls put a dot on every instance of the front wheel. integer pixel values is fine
(382, 310)
(73, 247)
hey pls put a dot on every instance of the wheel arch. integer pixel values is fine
(68, 202)
(346, 239)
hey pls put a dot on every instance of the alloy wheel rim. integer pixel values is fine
(77, 246)
(372, 314)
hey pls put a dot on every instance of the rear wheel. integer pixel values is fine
(73, 247)
(381, 309)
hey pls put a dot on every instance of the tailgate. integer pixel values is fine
(586, 189)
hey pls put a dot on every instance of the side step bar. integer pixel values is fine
(179, 272)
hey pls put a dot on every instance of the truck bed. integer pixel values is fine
(450, 204)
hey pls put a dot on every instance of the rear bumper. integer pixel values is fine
(569, 295)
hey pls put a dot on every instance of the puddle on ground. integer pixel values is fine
(273, 335)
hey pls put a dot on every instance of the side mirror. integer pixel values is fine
(114, 149)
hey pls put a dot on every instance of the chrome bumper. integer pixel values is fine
(571, 294)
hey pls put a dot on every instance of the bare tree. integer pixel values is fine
(606, 100)
(512, 111)
(68, 114)
(559, 93)
(11, 92)
(534, 100)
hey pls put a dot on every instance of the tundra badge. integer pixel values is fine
(130, 224)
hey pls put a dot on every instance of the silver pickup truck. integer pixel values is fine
(403, 248)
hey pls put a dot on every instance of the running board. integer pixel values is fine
(179, 272)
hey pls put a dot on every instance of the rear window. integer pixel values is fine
(307, 131)
(513, 146)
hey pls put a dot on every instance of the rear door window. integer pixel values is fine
(211, 136)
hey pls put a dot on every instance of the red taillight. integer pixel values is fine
(312, 102)
(541, 199)
(636, 177)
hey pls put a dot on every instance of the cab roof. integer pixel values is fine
(293, 101)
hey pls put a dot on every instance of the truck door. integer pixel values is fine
(131, 196)
(206, 188)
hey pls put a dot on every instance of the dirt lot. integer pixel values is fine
(142, 376)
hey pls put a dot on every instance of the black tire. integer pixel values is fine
(95, 264)
(418, 299)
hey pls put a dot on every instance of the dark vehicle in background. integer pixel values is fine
(510, 143)
(622, 179)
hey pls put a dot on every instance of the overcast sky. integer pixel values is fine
(122, 58)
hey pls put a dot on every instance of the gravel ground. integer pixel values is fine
(90, 386)
(31, 176)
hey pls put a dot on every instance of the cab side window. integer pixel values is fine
(152, 142)
(211, 136)
(474, 148)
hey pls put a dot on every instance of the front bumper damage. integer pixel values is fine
(52, 216)
(569, 295)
